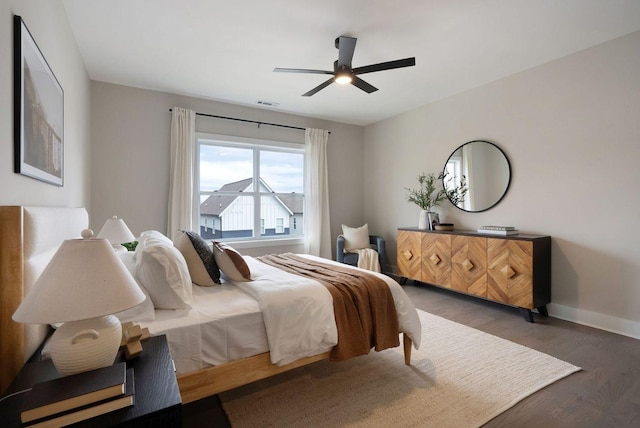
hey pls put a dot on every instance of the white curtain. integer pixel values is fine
(181, 170)
(316, 206)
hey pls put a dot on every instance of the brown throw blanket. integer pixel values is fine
(363, 305)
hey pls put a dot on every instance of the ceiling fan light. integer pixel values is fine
(343, 78)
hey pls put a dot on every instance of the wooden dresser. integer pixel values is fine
(514, 270)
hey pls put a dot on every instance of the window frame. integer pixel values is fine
(257, 145)
(279, 225)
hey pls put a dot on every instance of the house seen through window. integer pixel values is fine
(249, 189)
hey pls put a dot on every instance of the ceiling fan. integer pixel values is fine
(344, 73)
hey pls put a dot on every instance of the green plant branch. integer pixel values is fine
(427, 196)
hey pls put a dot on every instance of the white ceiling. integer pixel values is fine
(227, 50)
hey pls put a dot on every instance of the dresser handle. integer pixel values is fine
(434, 259)
(507, 271)
(408, 255)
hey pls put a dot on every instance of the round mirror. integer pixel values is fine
(483, 169)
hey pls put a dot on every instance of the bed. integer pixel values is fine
(29, 238)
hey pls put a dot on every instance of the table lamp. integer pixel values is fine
(116, 231)
(82, 286)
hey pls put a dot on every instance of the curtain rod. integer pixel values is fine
(249, 121)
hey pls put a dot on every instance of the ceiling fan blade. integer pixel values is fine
(358, 82)
(301, 70)
(318, 88)
(389, 65)
(346, 46)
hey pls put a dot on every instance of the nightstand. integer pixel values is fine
(157, 397)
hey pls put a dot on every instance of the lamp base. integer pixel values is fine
(80, 346)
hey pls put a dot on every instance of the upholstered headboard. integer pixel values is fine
(29, 237)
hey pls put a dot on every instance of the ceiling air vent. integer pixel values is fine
(268, 103)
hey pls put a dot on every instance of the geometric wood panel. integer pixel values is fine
(469, 265)
(409, 254)
(510, 272)
(436, 259)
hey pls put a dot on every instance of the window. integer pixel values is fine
(249, 189)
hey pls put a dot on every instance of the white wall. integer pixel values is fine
(571, 130)
(130, 134)
(47, 22)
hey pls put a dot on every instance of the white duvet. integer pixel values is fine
(285, 314)
(298, 312)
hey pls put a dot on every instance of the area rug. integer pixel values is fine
(460, 377)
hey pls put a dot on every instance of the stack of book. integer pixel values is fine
(498, 230)
(74, 398)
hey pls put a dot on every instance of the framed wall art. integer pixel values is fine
(38, 111)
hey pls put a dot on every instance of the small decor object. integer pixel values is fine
(426, 196)
(92, 410)
(38, 111)
(497, 227)
(130, 246)
(83, 285)
(498, 230)
(434, 220)
(132, 335)
(444, 226)
(65, 393)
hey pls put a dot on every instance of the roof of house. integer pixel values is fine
(215, 204)
(293, 201)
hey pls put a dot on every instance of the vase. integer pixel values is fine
(423, 220)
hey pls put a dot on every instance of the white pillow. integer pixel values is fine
(231, 263)
(144, 311)
(163, 272)
(148, 238)
(356, 238)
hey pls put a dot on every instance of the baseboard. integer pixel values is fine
(596, 320)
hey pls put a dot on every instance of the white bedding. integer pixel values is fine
(289, 316)
(223, 324)
(297, 312)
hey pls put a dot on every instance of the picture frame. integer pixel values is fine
(38, 111)
(433, 219)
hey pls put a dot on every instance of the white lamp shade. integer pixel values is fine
(116, 231)
(84, 279)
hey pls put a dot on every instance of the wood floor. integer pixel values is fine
(606, 393)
